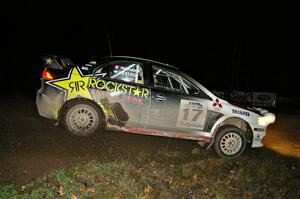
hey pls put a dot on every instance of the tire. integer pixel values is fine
(230, 142)
(82, 118)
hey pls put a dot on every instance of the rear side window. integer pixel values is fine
(127, 71)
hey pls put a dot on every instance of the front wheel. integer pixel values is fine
(230, 142)
(82, 118)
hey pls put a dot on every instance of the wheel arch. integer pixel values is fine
(76, 100)
(230, 142)
(232, 121)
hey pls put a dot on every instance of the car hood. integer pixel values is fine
(246, 107)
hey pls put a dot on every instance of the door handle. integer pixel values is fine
(159, 97)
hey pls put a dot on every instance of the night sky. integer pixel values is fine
(253, 47)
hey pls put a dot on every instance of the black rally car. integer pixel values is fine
(146, 97)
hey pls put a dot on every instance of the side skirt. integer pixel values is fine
(160, 133)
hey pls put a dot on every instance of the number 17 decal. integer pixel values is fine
(192, 114)
(187, 114)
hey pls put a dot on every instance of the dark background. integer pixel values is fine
(228, 46)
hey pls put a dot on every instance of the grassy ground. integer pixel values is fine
(39, 160)
(169, 174)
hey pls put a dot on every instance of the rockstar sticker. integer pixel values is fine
(74, 85)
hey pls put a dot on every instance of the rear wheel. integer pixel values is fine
(230, 142)
(82, 118)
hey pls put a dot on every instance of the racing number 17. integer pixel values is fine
(196, 112)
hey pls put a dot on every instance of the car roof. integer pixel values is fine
(167, 66)
(114, 58)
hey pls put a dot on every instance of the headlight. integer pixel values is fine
(267, 119)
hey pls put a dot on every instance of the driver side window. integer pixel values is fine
(167, 80)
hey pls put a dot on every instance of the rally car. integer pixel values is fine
(145, 97)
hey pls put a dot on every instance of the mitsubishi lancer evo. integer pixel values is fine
(145, 97)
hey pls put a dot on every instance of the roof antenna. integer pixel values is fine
(108, 40)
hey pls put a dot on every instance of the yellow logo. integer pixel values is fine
(48, 60)
(124, 89)
(74, 85)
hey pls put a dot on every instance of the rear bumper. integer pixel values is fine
(48, 102)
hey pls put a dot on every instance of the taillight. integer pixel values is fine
(47, 75)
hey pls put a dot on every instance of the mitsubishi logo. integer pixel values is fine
(217, 103)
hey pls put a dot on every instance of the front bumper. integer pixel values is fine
(259, 133)
(259, 130)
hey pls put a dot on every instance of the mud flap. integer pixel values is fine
(48, 106)
(121, 114)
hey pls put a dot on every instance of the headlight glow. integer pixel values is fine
(267, 119)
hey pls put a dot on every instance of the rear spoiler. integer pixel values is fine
(56, 61)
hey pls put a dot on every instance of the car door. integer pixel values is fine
(176, 104)
(119, 87)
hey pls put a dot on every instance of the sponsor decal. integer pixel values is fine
(132, 99)
(195, 104)
(192, 114)
(48, 60)
(89, 87)
(99, 94)
(217, 104)
(121, 88)
(240, 112)
(74, 85)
